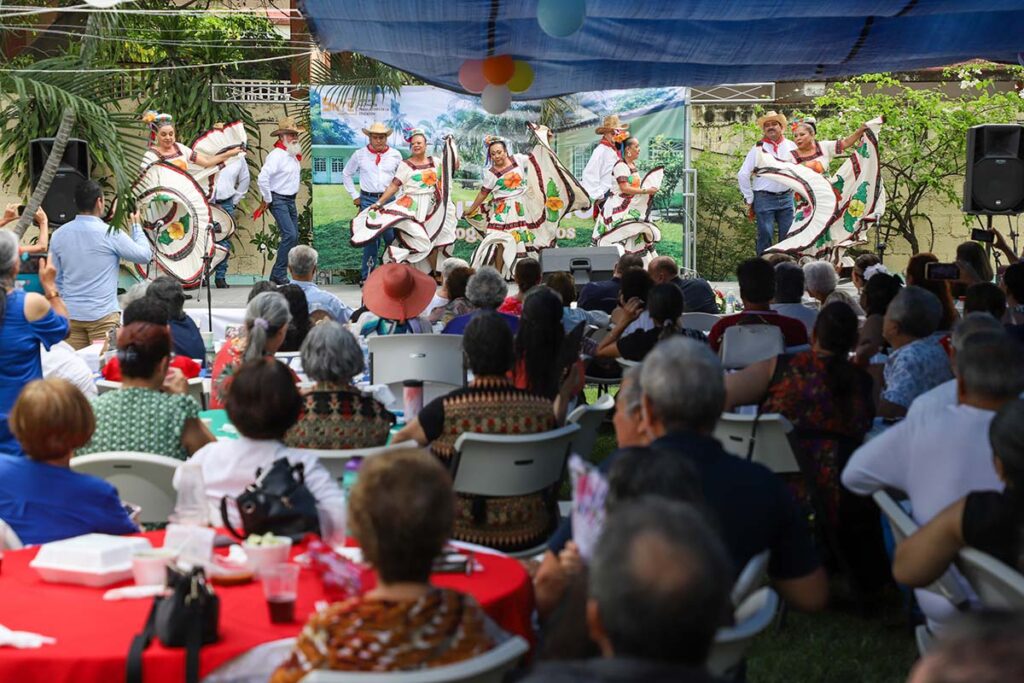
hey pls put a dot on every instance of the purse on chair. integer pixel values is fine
(277, 502)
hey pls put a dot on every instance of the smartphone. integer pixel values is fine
(30, 263)
(979, 235)
(941, 271)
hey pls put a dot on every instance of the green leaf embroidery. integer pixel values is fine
(519, 210)
(634, 214)
(552, 216)
(164, 238)
(552, 188)
(185, 221)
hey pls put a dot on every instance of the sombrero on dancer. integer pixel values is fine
(772, 116)
(287, 125)
(377, 128)
(610, 125)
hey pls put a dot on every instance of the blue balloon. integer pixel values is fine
(561, 18)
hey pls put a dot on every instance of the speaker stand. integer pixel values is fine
(207, 263)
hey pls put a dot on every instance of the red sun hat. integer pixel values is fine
(396, 291)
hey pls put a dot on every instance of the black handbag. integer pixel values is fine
(277, 502)
(187, 617)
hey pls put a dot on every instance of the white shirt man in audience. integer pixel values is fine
(302, 262)
(658, 587)
(789, 295)
(698, 297)
(441, 297)
(938, 457)
(62, 361)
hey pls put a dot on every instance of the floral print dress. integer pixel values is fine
(508, 194)
(819, 160)
(181, 157)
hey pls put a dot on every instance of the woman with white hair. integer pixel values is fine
(821, 279)
(27, 320)
(266, 324)
(486, 291)
(336, 414)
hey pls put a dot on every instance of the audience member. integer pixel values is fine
(486, 291)
(859, 275)
(1013, 285)
(335, 413)
(186, 339)
(40, 497)
(698, 297)
(489, 404)
(27, 320)
(985, 647)
(259, 287)
(263, 403)
(266, 323)
(564, 284)
(538, 343)
(61, 361)
(875, 297)
(527, 275)
(789, 295)
(757, 289)
(821, 280)
(975, 267)
(87, 254)
(917, 361)
(442, 296)
(152, 412)
(916, 268)
(626, 420)
(985, 297)
(603, 295)
(298, 326)
(665, 306)
(401, 514)
(457, 304)
(939, 457)
(635, 287)
(149, 309)
(659, 589)
(396, 296)
(302, 263)
(775, 258)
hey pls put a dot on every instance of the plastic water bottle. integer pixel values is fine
(730, 303)
(191, 506)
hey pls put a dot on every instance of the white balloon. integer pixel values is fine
(496, 99)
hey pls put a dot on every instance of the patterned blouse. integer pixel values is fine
(493, 406)
(914, 369)
(136, 419)
(335, 417)
(443, 627)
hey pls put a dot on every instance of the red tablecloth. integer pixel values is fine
(93, 635)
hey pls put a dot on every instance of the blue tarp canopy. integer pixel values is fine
(644, 43)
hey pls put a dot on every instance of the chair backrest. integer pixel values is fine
(144, 479)
(903, 525)
(489, 667)
(743, 345)
(431, 358)
(771, 444)
(511, 465)
(335, 459)
(105, 385)
(196, 389)
(702, 322)
(8, 537)
(998, 585)
(589, 418)
(753, 616)
(751, 578)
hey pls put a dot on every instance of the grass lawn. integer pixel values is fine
(333, 210)
(829, 647)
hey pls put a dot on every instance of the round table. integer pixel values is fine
(93, 635)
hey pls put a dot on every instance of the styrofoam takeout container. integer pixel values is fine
(89, 560)
(259, 557)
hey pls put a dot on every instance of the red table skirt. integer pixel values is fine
(93, 635)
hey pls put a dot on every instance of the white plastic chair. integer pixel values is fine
(489, 667)
(753, 616)
(771, 445)
(434, 359)
(589, 418)
(8, 538)
(702, 322)
(998, 586)
(144, 479)
(751, 578)
(743, 345)
(511, 465)
(292, 359)
(197, 389)
(335, 459)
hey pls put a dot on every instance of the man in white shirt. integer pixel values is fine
(62, 361)
(769, 201)
(375, 165)
(937, 457)
(597, 178)
(789, 293)
(232, 184)
(279, 184)
(302, 263)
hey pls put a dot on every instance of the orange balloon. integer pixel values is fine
(498, 70)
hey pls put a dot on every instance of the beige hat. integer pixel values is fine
(287, 125)
(611, 123)
(772, 116)
(377, 128)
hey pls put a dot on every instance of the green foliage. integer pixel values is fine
(724, 235)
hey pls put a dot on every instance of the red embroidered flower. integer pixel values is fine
(405, 201)
(513, 180)
(429, 177)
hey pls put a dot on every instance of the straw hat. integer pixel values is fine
(377, 128)
(287, 125)
(772, 116)
(611, 123)
(396, 291)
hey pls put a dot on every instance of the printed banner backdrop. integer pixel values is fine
(657, 116)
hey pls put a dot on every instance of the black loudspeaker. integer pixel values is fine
(994, 183)
(59, 203)
(587, 264)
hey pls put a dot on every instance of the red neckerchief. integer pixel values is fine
(280, 145)
(774, 145)
(611, 147)
(377, 154)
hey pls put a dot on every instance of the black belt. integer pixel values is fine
(773, 193)
(282, 196)
(372, 194)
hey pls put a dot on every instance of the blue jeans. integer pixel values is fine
(221, 271)
(282, 208)
(771, 208)
(371, 250)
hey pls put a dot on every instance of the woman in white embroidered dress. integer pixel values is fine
(165, 147)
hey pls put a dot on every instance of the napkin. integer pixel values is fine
(133, 592)
(23, 640)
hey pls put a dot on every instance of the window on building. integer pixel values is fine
(337, 165)
(319, 165)
(580, 157)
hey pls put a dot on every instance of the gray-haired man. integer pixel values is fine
(302, 262)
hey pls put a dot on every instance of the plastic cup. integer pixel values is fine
(149, 567)
(280, 588)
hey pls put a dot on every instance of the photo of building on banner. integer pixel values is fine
(426, 134)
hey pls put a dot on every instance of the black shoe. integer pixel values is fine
(221, 284)
(279, 281)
